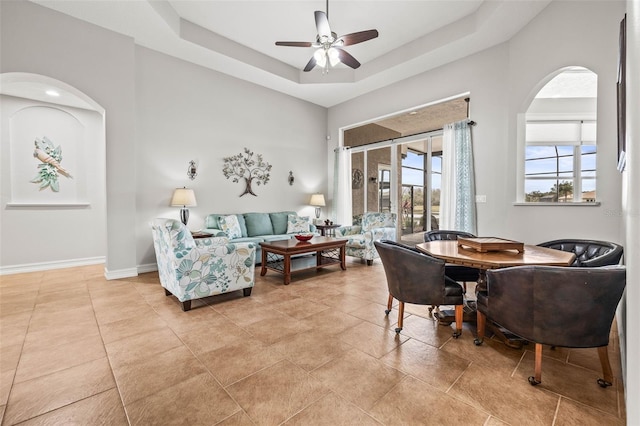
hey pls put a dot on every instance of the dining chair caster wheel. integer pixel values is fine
(477, 342)
(603, 383)
(398, 330)
(533, 381)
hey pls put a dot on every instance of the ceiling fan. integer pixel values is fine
(329, 46)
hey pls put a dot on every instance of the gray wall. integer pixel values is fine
(160, 113)
(501, 82)
(564, 34)
(212, 116)
(100, 64)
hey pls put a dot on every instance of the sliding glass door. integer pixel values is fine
(421, 184)
(371, 180)
(400, 176)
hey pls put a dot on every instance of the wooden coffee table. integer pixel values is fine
(276, 255)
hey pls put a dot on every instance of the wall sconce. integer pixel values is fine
(291, 178)
(192, 170)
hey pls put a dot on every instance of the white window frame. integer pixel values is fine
(522, 121)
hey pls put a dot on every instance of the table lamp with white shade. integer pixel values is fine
(186, 198)
(317, 200)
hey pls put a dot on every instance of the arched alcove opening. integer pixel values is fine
(53, 175)
(557, 139)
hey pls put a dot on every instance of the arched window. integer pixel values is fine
(560, 140)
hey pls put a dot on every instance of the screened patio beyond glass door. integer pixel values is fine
(420, 181)
(398, 177)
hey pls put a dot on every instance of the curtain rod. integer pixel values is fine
(470, 123)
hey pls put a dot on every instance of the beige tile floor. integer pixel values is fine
(77, 349)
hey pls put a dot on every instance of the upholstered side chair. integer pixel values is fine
(414, 277)
(367, 229)
(192, 269)
(555, 306)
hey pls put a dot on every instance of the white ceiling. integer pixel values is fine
(238, 37)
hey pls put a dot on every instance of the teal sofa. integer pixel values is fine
(255, 228)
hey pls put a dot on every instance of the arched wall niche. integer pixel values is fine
(34, 86)
(69, 223)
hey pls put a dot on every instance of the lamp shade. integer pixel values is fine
(183, 197)
(317, 200)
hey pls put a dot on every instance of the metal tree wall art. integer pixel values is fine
(48, 171)
(244, 166)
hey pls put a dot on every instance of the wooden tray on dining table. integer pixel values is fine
(487, 244)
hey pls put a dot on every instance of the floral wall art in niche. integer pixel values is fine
(244, 166)
(50, 157)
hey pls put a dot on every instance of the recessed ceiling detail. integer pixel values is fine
(237, 37)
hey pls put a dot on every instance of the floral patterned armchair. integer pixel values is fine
(192, 269)
(370, 227)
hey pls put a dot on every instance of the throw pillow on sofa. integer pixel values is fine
(258, 224)
(279, 221)
(297, 224)
(230, 226)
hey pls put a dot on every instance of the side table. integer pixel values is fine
(328, 230)
(200, 234)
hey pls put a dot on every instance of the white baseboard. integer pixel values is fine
(120, 273)
(61, 264)
(149, 267)
(622, 339)
(45, 266)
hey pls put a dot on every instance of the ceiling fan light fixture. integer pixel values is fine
(334, 56)
(321, 57)
(328, 45)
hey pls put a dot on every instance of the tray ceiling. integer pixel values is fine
(238, 37)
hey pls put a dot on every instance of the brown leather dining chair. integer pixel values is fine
(555, 306)
(455, 272)
(588, 252)
(459, 273)
(414, 277)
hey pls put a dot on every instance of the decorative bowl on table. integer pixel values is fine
(303, 237)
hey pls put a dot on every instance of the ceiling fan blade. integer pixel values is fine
(294, 43)
(359, 37)
(322, 24)
(310, 64)
(347, 59)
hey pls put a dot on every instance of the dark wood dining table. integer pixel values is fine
(451, 252)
